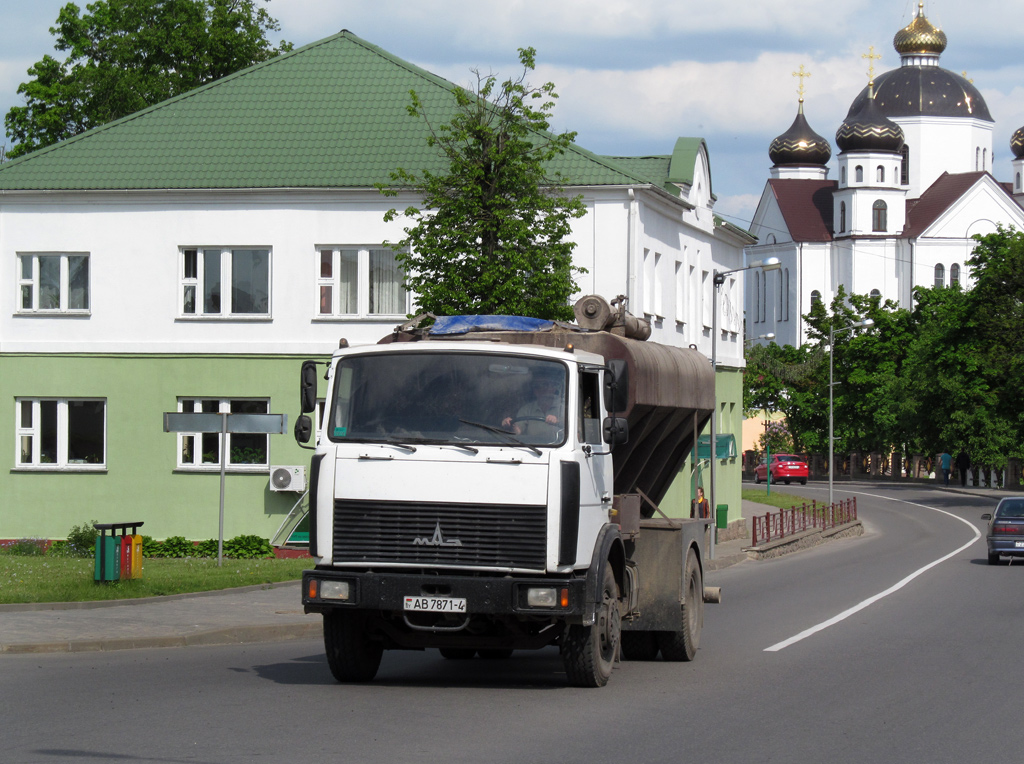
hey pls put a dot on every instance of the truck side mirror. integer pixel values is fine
(307, 387)
(616, 431)
(303, 429)
(616, 386)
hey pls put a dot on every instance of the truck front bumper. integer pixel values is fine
(324, 590)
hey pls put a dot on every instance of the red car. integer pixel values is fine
(785, 468)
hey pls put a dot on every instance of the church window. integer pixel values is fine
(842, 217)
(880, 174)
(757, 297)
(984, 159)
(954, 274)
(1018, 181)
(815, 297)
(879, 216)
(785, 316)
(905, 165)
(842, 176)
(858, 174)
(977, 157)
(940, 275)
(875, 294)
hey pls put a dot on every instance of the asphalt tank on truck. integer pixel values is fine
(490, 483)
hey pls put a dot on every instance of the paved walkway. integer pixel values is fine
(235, 616)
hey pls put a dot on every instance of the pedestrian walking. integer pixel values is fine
(946, 463)
(701, 506)
(963, 463)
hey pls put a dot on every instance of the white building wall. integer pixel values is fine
(944, 144)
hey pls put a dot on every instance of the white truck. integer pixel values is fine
(489, 484)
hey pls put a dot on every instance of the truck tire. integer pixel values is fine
(351, 655)
(682, 645)
(639, 646)
(589, 652)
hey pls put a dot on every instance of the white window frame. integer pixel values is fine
(332, 284)
(31, 282)
(32, 430)
(197, 282)
(194, 440)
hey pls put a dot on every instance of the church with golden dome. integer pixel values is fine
(913, 184)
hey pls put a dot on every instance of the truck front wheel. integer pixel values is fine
(588, 652)
(682, 645)
(351, 655)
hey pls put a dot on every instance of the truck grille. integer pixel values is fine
(431, 535)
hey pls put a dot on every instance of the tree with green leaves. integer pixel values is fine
(491, 233)
(125, 55)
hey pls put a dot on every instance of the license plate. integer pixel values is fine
(1018, 544)
(436, 604)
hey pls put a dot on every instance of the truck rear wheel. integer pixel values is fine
(639, 645)
(588, 652)
(351, 655)
(682, 645)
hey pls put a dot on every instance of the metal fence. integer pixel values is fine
(787, 522)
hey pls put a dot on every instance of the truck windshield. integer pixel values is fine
(448, 398)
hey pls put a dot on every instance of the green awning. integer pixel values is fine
(725, 446)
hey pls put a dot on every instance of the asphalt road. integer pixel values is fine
(898, 646)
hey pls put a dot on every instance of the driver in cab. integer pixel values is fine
(541, 417)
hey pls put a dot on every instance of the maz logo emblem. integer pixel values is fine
(436, 540)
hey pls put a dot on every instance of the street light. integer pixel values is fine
(770, 336)
(831, 352)
(771, 264)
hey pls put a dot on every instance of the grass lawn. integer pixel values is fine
(777, 498)
(70, 579)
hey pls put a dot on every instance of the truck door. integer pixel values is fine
(596, 475)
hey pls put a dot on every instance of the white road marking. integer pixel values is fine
(894, 588)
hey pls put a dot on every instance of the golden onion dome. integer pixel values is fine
(919, 36)
(1017, 143)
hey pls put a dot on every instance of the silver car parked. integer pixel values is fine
(1006, 529)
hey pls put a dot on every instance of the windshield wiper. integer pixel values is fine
(440, 443)
(510, 436)
(396, 444)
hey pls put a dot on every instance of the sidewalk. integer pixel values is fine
(265, 613)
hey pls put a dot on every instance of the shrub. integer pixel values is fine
(206, 548)
(151, 547)
(248, 547)
(82, 540)
(177, 546)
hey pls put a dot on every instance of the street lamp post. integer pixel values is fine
(771, 264)
(831, 352)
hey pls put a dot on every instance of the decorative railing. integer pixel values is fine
(788, 522)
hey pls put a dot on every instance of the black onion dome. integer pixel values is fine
(917, 91)
(919, 36)
(800, 145)
(869, 130)
(1017, 143)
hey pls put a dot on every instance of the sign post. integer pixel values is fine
(223, 423)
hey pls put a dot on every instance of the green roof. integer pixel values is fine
(331, 114)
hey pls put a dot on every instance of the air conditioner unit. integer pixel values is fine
(291, 478)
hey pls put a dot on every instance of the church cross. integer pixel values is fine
(802, 74)
(872, 57)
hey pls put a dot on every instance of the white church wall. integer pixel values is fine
(944, 144)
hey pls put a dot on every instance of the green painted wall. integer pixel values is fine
(729, 384)
(141, 481)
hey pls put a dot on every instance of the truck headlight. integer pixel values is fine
(542, 596)
(335, 590)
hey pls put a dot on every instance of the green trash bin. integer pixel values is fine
(722, 516)
(108, 559)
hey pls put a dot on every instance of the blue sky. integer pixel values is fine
(633, 76)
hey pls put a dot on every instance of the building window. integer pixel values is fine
(707, 294)
(858, 174)
(940, 275)
(815, 297)
(786, 292)
(879, 216)
(1018, 181)
(53, 283)
(880, 174)
(61, 433)
(360, 281)
(875, 294)
(246, 272)
(245, 451)
(757, 296)
(984, 159)
(680, 285)
(905, 165)
(954, 274)
(977, 158)
(652, 283)
(842, 217)
(842, 176)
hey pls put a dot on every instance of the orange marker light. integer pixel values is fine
(312, 588)
(564, 598)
